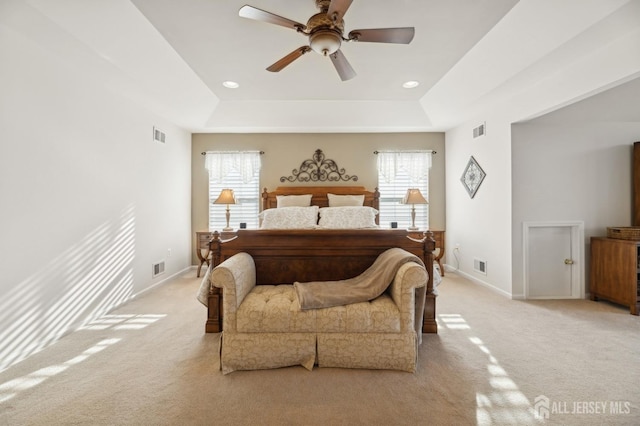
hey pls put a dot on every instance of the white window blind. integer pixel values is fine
(245, 185)
(393, 184)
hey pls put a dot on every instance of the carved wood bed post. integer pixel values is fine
(214, 305)
(214, 248)
(429, 324)
(265, 199)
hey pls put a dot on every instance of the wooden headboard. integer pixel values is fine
(319, 195)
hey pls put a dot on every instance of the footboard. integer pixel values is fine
(285, 256)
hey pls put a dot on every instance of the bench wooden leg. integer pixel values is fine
(214, 313)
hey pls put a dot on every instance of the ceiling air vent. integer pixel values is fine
(479, 131)
(158, 135)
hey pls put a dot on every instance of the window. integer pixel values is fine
(397, 172)
(239, 171)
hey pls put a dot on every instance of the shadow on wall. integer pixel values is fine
(76, 287)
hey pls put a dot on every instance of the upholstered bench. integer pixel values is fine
(265, 327)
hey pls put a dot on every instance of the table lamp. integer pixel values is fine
(226, 197)
(413, 197)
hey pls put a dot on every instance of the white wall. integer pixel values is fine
(478, 225)
(573, 167)
(88, 200)
(575, 164)
(484, 227)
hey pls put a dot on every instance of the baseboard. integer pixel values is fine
(159, 283)
(587, 296)
(475, 280)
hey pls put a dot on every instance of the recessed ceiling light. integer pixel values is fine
(230, 84)
(410, 84)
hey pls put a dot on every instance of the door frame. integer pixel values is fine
(577, 247)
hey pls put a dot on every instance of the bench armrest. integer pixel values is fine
(236, 276)
(403, 290)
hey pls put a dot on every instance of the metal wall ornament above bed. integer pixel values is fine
(318, 169)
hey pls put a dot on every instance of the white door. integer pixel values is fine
(552, 262)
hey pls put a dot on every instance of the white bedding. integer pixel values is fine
(296, 217)
(348, 217)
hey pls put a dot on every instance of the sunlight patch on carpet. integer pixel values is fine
(454, 321)
(123, 322)
(505, 403)
(10, 389)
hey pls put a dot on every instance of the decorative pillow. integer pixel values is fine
(290, 218)
(348, 217)
(345, 200)
(293, 200)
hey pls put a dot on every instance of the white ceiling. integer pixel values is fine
(219, 45)
(172, 56)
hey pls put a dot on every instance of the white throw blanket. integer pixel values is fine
(366, 286)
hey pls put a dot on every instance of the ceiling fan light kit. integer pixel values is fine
(325, 32)
(325, 42)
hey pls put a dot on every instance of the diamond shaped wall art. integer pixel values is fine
(472, 177)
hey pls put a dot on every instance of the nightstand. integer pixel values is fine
(202, 246)
(202, 249)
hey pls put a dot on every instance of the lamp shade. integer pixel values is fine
(226, 197)
(414, 196)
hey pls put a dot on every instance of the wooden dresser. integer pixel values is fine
(615, 271)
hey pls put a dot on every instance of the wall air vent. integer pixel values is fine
(157, 269)
(479, 131)
(159, 135)
(480, 266)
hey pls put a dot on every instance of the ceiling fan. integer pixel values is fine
(325, 31)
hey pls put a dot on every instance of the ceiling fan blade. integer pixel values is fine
(339, 7)
(251, 12)
(384, 35)
(342, 65)
(279, 65)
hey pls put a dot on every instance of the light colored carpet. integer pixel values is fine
(150, 363)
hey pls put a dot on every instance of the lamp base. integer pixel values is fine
(227, 229)
(413, 228)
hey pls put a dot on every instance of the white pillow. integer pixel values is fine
(348, 217)
(345, 200)
(293, 200)
(290, 218)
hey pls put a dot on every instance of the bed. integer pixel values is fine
(318, 254)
